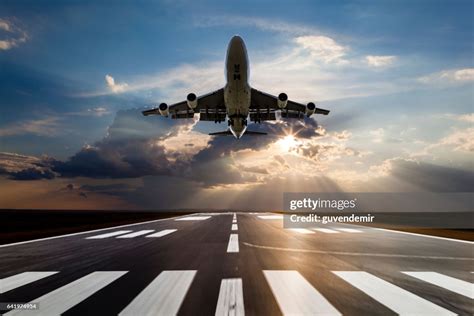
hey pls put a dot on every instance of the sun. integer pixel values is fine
(288, 143)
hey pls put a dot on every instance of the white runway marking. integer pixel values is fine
(446, 282)
(233, 245)
(235, 227)
(270, 216)
(231, 298)
(392, 296)
(326, 230)
(17, 280)
(349, 230)
(193, 218)
(107, 235)
(422, 235)
(234, 221)
(136, 234)
(66, 297)
(163, 296)
(301, 230)
(162, 233)
(296, 296)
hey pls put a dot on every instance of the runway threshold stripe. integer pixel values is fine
(136, 234)
(392, 296)
(270, 216)
(233, 245)
(66, 297)
(296, 296)
(449, 283)
(301, 230)
(162, 233)
(235, 227)
(349, 230)
(17, 280)
(193, 218)
(231, 298)
(163, 296)
(326, 230)
(107, 235)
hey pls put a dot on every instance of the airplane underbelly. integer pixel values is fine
(237, 100)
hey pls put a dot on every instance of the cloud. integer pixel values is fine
(449, 76)
(22, 167)
(48, 126)
(323, 48)
(115, 87)
(14, 35)
(378, 135)
(379, 61)
(462, 140)
(431, 177)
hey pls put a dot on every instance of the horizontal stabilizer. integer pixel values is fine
(229, 133)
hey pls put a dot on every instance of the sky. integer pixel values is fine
(397, 77)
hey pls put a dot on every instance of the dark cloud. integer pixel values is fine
(433, 177)
(22, 167)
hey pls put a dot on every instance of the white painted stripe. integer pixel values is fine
(233, 245)
(301, 230)
(235, 227)
(107, 235)
(395, 298)
(449, 283)
(66, 297)
(193, 218)
(17, 280)
(231, 298)
(163, 296)
(349, 230)
(136, 234)
(326, 230)
(234, 221)
(162, 233)
(88, 231)
(270, 216)
(296, 296)
(427, 236)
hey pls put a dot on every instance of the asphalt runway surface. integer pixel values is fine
(247, 263)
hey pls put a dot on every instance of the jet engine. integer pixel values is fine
(163, 108)
(191, 99)
(310, 107)
(282, 100)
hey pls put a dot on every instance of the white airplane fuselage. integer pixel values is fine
(237, 89)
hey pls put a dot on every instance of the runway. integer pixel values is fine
(236, 264)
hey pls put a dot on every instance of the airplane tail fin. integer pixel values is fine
(229, 133)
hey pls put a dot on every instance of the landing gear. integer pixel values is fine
(230, 123)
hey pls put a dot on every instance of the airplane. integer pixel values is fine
(237, 101)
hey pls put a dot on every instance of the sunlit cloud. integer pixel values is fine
(115, 87)
(48, 126)
(449, 76)
(379, 61)
(14, 35)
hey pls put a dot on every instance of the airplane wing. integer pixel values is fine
(211, 106)
(264, 105)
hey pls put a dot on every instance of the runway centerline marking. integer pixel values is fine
(231, 298)
(449, 283)
(296, 296)
(397, 299)
(163, 296)
(366, 254)
(193, 218)
(69, 295)
(235, 227)
(162, 233)
(301, 230)
(107, 235)
(17, 280)
(326, 230)
(136, 234)
(233, 245)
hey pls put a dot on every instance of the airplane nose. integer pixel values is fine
(236, 40)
